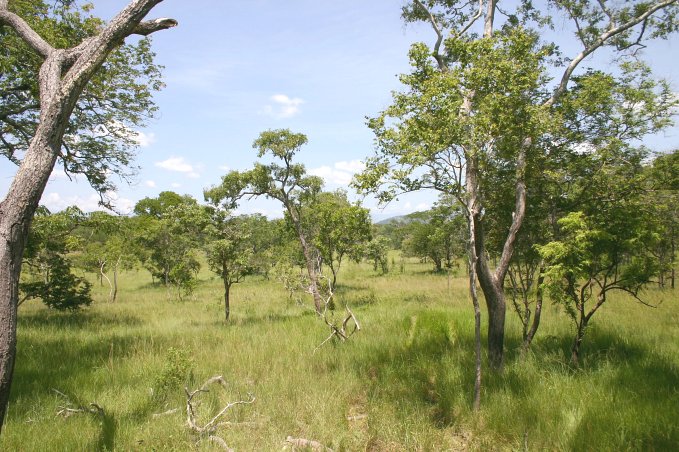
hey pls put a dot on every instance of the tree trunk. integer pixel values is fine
(538, 311)
(309, 259)
(227, 306)
(115, 282)
(16, 215)
(575, 349)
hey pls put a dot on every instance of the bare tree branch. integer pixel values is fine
(600, 41)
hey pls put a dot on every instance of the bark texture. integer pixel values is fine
(62, 78)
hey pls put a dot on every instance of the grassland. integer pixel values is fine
(403, 383)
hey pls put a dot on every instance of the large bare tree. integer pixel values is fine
(63, 75)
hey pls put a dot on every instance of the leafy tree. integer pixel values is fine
(169, 244)
(65, 70)
(107, 245)
(663, 196)
(479, 110)
(230, 252)
(437, 234)
(607, 245)
(377, 251)
(159, 206)
(49, 276)
(286, 182)
(338, 228)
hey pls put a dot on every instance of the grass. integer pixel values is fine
(405, 381)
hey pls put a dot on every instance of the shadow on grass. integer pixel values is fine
(431, 367)
(272, 317)
(84, 319)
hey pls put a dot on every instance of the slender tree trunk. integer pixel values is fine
(538, 311)
(472, 211)
(310, 259)
(115, 281)
(579, 335)
(227, 306)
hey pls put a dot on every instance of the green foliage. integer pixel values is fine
(337, 228)
(438, 234)
(168, 243)
(176, 373)
(376, 251)
(100, 138)
(287, 183)
(61, 289)
(48, 275)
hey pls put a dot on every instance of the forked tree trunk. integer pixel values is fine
(62, 78)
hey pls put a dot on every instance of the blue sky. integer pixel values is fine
(234, 69)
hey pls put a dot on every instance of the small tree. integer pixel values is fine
(377, 251)
(287, 183)
(230, 253)
(169, 244)
(338, 228)
(607, 245)
(49, 276)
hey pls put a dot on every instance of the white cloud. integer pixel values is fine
(283, 106)
(224, 168)
(340, 174)
(176, 185)
(179, 165)
(150, 183)
(352, 166)
(143, 139)
(422, 206)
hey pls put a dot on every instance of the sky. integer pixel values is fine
(234, 69)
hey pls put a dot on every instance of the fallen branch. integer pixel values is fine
(306, 443)
(207, 431)
(68, 409)
(165, 413)
(339, 331)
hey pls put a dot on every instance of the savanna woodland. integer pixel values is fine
(533, 306)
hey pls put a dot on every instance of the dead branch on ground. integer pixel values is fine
(302, 443)
(72, 408)
(207, 431)
(340, 330)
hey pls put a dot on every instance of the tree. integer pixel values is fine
(376, 251)
(287, 183)
(49, 275)
(480, 103)
(169, 243)
(65, 70)
(437, 234)
(663, 196)
(230, 253)
(106, 244)
(338, 228)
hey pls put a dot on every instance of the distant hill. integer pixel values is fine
(404, 219)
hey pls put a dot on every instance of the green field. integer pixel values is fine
(404, 382)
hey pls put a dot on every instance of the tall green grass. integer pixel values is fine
(403, 383)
